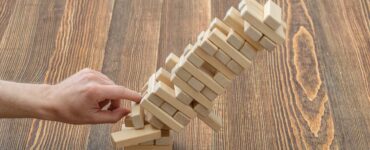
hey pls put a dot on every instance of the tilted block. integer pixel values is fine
(181, 118)
(181, 73)
(201, 110)
(222, 80)
(128, 121)
(155, 99)
(212, 120)
(200, 36)
(130, 136)
(252, 32)
(208, 47)
(194, 59)
(219, 24)
(171, 61)
(209, 94)
(195, 84)
(155, 122)
(186, 50)
(222, 57)
(235, 67)
(267, 43)
(169, 109)
(235, 40)
(272, 15)
(164, 76)
(182, 96)
(248, 51)
(137, 116)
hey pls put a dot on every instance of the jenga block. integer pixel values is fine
(200, 36)
(164, 76)
(209, 94)
(222, 57)
(171, 61)
(164, 141)
(208, 47)
(151, 82)
(165, 133)
(222, 79)
(128, 121)
(182, 96)
(252, 32)
(235, 67)
(161, 115)
(217, 23)
(169, 109)
(154, 121)
(248, 51)
(194, 59)
(219, 39)
(216, 64)
(186, 50)
(168, 95)
(130, 136)
(272, 15)
(137, 115)
(208, 69)
(253, 13)
(241, 5)
(196, 84)
(204, 78)
(235, 20)
(212, 120)
(235, 40)
(181, 73)
(201, 110)
(151, 142)
(155, 99)
(191, 92)
(181, 118)
(267, 43)
(149, 147)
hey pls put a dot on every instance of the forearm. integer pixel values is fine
(18, 100)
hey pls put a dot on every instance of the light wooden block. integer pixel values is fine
(165, 133)
(208, 47)
(208, 69)
(181, 118)
(154, 121)
(164, 76)
(181, 73)
(196, 84)
(234, 39)
(212, 120)
(151, 82)
(161, 115)
(235, 20)
(130, 136)
(253, 13)
(155, 99)
(235, 67)
(170, 110)
(252, 32)
(168, 95)
(200, 36)
(151, 142)
(222, 57)
(209, 94)
(219, 24)
(186, 50)
(137, 115)
(241, 5)
(222, 79)
(194, 59)
(191, 92)
(164, 141)
(171, 61)
(216, 64)
(272, 15)
(149, 147)
(182, 96)
(219, 39)
(267, 43)
(201, 110)
(248, 51)
(128, 121)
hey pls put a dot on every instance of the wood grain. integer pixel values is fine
(312, 92)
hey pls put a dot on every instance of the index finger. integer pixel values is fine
(118, 92)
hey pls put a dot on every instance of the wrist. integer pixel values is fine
(46, 109)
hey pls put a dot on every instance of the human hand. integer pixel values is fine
(80, 99)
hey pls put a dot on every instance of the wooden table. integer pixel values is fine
(312, 92)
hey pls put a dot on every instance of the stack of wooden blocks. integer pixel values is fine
(189, 84)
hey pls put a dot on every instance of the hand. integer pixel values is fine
(80, 99)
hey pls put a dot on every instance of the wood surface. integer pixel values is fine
(312, 92)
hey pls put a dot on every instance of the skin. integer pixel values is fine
(87, 97)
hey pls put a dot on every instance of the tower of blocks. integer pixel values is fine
(188, 85)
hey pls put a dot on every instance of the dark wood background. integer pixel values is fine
(313, 92)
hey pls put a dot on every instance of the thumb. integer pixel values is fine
(106, 116)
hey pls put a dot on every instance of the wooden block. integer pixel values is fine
(165, 133)
(212, 120)
(137, 115)
(272, 15)
(191, 92)
(171, 61)
(186, 50)
(253, 13)
(248, 51)
(209, 94)
(195, 84)
(130, 136)
(216, 64)
(222, 57)
(151, 82)
(235, 20)
(241, 5)
(199, 75)
(208, 69)
(181, 73)
(181, 118)
(235, 67)
(222, 79)
(194, 59)
(169, 109)
(164, 76)
(219, 39)
(182, 96)
(161, 115)
(164, 141)
(155, 99)
(149, 147)
(168, 95)
(234, 39)
(154, 121)
(217, 23)
(200, 36)
(252, 32)
(151, 142)
(128, 121)
(208, 47)
(267, 43)
(201, 110)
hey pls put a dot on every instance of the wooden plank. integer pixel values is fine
(252, 32)
(137, 116)
(182, 96)
(195, 84)
(131, 136)
(171, 61)
(222, 57)
(163, 76)
(169, 109)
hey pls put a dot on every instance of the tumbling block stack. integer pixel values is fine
(188, 85)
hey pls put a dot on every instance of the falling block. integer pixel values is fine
(137, 116)
(130, 136)
(212, 120)
(272, 15)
